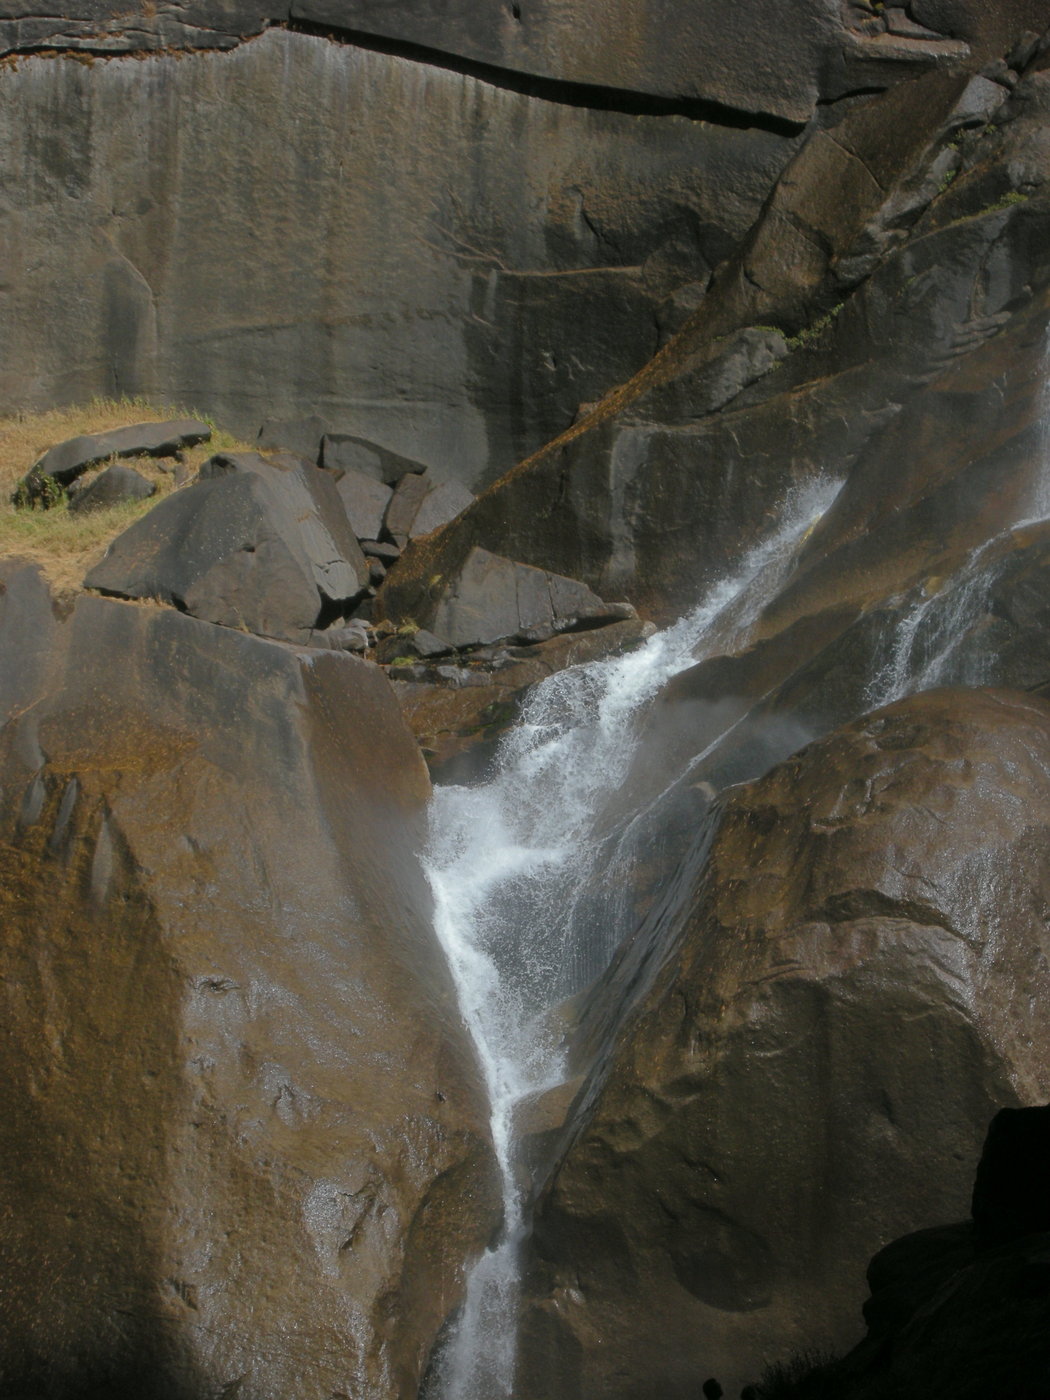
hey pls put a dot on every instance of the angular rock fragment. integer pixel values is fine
(380, 549)
(365, 500)
(111, 487)
(255, 545)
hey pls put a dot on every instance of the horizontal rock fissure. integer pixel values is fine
(567, 94)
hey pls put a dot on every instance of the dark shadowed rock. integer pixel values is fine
(1011, 1194)
(66, 461)
(959, 1309)
(242, 1143)
(110, 488)
(365, 501)
(259, 544)
(852, 989)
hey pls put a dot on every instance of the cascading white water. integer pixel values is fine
(506, 861)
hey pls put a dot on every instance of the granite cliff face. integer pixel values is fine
(642, 279)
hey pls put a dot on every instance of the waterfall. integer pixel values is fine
(507, 861)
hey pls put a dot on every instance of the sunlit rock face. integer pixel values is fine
(243, 1143)
(304, 229)
(855, 990)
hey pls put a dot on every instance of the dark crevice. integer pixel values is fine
(567, 94)
(335, 610)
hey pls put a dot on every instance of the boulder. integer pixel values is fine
(492, 598)
(807, 1036)
(301, 435)
(68, 460)
(259, 543)
(365, 501)
(111, 488)
(243, 1147)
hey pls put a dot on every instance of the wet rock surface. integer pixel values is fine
(243, 1143)
(460, 708)
(779, 1104)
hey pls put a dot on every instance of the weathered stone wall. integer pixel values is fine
(301, 227)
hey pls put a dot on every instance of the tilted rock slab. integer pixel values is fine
(260, 543)
(850, 991)
(492, 598)
(66, 461)
(242, 1148)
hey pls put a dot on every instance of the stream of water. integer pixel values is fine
(506, 862)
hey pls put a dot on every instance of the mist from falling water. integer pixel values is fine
(505, 860)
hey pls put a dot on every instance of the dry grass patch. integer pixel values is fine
(64, 543)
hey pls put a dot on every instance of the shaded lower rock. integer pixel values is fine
(797, 1063)
(956, 1310)
(243, 1149)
